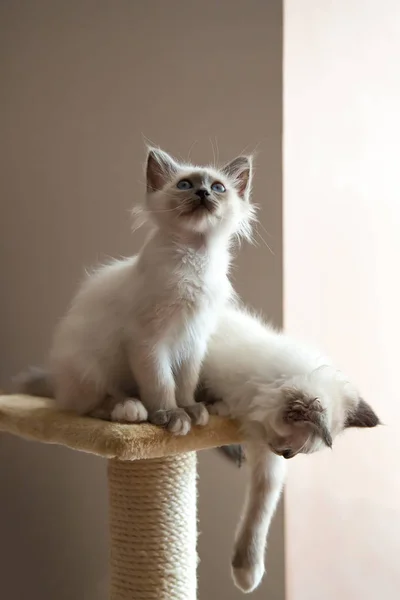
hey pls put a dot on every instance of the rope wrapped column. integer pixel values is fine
(152, 488)
(153, 526)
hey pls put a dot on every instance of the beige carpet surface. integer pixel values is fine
(39, 419)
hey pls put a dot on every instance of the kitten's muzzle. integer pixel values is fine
(286, 453)
(208, 204)
(203, 203)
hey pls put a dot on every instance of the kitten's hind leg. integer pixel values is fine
(74, 393)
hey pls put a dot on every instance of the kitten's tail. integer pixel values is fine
(36, 381)
(267, 475)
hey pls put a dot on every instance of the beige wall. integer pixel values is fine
(81, 82)
(341, 229)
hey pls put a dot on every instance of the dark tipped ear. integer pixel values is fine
(363, 416)
(160, 168)
(240, 172)
(302, 410)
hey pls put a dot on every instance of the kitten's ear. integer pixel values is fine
(307, 415)
(240, 171)
(161, 167)
(363, 416)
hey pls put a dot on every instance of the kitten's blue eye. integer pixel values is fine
(184, 184)
(218, 187)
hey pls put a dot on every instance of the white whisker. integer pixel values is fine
(216, 145)
(190, 150)
(213, 151)
(267, 232)
(161, 210)
(269, 247)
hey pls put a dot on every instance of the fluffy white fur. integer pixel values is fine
(150, 316)
(289, 399)
(141, 326)
(258, 368)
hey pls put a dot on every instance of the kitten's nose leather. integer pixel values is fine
(202, 193)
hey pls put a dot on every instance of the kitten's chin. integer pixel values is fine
(200, 222)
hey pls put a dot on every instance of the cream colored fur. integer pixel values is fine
(149, 317)
(145, 325)
(289, 399)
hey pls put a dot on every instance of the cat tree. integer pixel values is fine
(152, 491)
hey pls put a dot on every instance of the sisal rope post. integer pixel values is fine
(153, 526)
(152, 490)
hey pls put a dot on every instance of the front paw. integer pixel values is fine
(130, 410)
(177, 421)
(198, 413)
(247, 579)
(247, 571)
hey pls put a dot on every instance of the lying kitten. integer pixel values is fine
(149, 317)
(288, 399)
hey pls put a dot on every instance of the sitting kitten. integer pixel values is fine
(288, 399)
(149, 317)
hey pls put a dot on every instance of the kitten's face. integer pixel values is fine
(199, 199)
(306, 424)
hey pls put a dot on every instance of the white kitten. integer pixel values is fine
(150, 316)
(288, 399)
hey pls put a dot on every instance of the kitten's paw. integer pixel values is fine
(247, 570)
(248, 579)
(130, 410)
(198, 413)
(177, 421)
